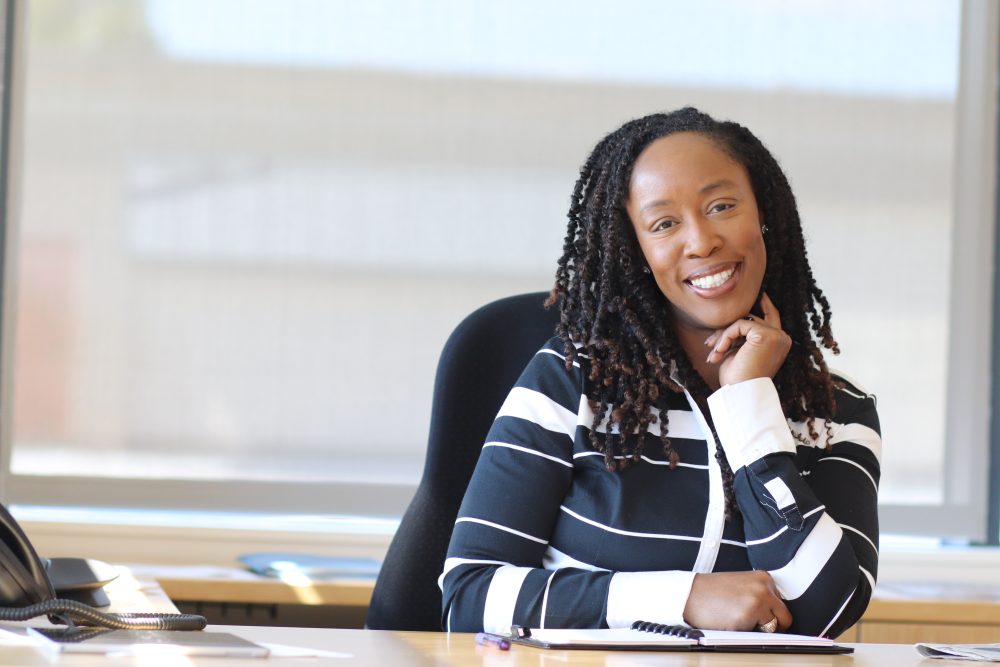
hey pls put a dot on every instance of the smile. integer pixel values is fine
(713, 280)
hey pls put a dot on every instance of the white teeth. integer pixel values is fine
(714, 280)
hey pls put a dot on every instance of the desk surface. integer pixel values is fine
(131, 593)
(370, 647)
(910, 602)
(417, 649)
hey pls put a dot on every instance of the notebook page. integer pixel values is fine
(723, 638)
(612, 636)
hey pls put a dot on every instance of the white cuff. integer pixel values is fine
(657, 597)
(749, 421)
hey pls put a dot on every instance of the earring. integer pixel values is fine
(645, 270)
(763, 229)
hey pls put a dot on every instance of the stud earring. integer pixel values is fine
(646, 270)
(763, 229)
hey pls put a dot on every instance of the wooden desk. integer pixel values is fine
(898, 613)
(419, 649)
(931, 612)
(134, 592)
(131, 593)
(234, 596)
(219, 584)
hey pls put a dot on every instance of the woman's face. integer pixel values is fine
(696, 219)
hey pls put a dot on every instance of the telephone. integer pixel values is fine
(23, 580)
(27, 591)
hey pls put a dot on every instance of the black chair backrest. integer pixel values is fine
(480, 362)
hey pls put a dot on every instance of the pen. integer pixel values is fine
(487, 639)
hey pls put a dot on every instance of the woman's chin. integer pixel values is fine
(708, 322)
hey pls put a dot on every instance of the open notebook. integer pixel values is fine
(644, 636)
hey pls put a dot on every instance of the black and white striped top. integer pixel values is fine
(547, 537)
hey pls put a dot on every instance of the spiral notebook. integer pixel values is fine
(643, 636)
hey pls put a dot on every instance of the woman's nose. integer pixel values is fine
(702, 238)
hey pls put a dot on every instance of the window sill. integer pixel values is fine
(197, 538)
(938, 564)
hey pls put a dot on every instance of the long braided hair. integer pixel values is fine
(621, 320)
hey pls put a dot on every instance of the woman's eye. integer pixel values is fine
(661, 225)
(720, 207)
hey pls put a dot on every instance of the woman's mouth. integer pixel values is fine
(712, 280)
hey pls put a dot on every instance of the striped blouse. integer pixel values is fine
(547, 537)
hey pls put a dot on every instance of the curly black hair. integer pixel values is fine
(620, 319)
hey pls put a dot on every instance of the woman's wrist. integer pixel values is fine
(749, 421)
(657, 596)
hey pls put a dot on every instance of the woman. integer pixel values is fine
(679, 452)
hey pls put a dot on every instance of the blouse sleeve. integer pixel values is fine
(814, 530)
(494, 576)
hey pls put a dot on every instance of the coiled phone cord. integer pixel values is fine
(72, 613)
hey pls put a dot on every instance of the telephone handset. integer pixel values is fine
(26, 591)
(23, 579)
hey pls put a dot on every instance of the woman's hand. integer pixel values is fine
(735, 601)
(750, 347)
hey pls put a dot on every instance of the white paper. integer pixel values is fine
(17, 647)
(978, 652)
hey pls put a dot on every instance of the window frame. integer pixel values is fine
(971, 492)
(964, 514)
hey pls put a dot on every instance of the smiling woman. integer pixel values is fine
(670, 455)
(231, 262)
(697, 223)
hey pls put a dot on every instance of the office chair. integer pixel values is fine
(480, 362)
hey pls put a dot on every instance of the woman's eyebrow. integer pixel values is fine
(656, 203)
(715, 185)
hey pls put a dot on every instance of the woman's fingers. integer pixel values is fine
(771, 319)
(782, 614)
(728, 339)
(749, 348)
(735, 601)
(771, 315)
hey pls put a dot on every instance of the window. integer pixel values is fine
(242, 231)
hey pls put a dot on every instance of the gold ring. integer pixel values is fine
(770, 626)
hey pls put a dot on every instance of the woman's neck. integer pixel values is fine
(692, 340)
